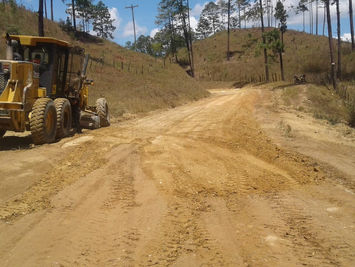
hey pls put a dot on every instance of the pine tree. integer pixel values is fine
(302, 8)
(261, 11)
(351, 24)
(223, 11)
(209, 22)
(85, 10)
(339, 40)
(204, 28)
(281, 15)
(330, 39)
(167, 20)
(241, 5)
(102, 22)
(71, 11)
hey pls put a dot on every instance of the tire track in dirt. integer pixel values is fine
(201, 184)
(78, 163)
(306, 232)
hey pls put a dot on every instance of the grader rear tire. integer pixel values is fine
(43, 123)
(2, 132)
(103, 112)
(64, 117)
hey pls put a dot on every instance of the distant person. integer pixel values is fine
(37, 59)
(76, 101)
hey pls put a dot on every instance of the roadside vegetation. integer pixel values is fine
(304, 54)
(321, 102)
(132, 82)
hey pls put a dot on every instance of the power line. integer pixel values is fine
(132, 7)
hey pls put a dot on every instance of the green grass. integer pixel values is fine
(127, 90)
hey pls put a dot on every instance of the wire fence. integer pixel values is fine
(97, 65)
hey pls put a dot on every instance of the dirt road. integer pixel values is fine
(199, 185)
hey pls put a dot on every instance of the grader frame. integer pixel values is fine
(42, 81)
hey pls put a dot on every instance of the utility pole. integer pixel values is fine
(228, 31)
(132, 7)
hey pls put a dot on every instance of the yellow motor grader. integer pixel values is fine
(44, 89)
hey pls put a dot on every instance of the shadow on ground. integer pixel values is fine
(15, 142)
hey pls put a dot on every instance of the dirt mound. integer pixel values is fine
(202, 184)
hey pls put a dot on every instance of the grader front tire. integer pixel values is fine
(64, 117)
(43, 123)
(103, 112)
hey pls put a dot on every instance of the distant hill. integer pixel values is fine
(304, 54)
(132, 82)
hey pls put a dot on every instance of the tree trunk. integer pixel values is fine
(310, 17)
(172, 36)
(351, 24)
(45, 8)
(316, 17)
(281, 67)
(52, 10)
(228, 28)
(268, 13)
(262, 31)
(73, 14)
(186, 34)
(304, 26)
(339, 40)
(240, 22)
(281, 61)
(190, 41)
(330, 38)
(324, 20)
(40, 18)
(245, 20)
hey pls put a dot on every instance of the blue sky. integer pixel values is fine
(147, 10)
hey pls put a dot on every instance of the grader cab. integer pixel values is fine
(43, 86)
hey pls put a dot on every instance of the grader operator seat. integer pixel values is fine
(42, 58)
(49, 57)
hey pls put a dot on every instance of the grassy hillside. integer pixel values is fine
(304, 53)
(143, 84)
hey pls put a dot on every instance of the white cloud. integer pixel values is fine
(297, 19)
(117, 19)
(196, 11)
(128, 30)
(153, 32)
(346, 37)
(193, 22)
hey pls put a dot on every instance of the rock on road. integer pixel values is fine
(201, 184)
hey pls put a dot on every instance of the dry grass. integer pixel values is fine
(347, 91)
(317, 100)
(304, 53)
(128, 90)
